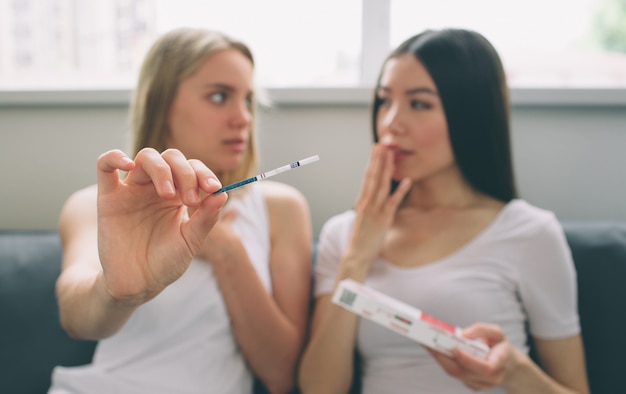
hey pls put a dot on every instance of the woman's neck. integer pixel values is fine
(444, 191)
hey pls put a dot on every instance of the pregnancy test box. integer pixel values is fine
(404, 319)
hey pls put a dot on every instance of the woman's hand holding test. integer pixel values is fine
(139, 239)
(146, 238)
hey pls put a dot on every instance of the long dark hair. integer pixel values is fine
(472, 86)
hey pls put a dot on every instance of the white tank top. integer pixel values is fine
(181, 341)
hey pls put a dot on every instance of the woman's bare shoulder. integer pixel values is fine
(79, 207)
(282, 193)
(287, 207)
(87, 196)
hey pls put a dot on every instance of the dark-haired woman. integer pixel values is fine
(438, 225)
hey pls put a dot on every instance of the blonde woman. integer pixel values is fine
(205, 316)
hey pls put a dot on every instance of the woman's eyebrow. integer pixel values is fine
(421, 90)
(222, 86)
(411, 91)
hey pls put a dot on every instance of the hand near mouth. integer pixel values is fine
(375, 208)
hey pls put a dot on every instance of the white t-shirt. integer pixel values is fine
(181, 341)
(517, 271)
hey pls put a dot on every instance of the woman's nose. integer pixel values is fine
(393, 121)
(242, 116)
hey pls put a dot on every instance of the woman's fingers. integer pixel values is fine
(473, 372)
(206, 179)
(398, 195)
(491, 334)
(477, 377)
(377, 182)
(107, 167)
(371, 175)
(152, 168)
(385, 174)
(185, 178)
(172, 174)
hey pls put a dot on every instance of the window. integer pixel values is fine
(99, 44)
(295, 43)
(554, 43)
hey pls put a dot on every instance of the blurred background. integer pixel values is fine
(68, 67)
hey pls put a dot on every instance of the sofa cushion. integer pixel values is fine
(32, 341)
(599, 251)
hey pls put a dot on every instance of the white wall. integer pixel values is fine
(568, 158)
(572, 161)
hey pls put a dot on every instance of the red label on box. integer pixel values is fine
(438, 323)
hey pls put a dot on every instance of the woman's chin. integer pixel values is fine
(225, 165)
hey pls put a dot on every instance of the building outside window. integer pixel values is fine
(99, 44)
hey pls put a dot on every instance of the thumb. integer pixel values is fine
(489, 333)
(196, 229)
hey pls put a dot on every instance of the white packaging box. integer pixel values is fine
(405, 319)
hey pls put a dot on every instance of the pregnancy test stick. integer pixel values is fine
(268, 174)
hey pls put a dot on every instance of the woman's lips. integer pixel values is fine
(400, 154)
(237, 145)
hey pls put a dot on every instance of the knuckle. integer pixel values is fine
(146, 151)
(172, 153)
(195, 163)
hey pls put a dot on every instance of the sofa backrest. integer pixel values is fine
(599, 251)
(32, 341)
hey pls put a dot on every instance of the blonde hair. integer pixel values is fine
(174, 57)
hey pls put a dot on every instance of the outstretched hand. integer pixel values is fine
(146, 237)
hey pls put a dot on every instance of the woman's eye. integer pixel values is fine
(416, 104)
(249, 102)
(382, 100)
(218, 98)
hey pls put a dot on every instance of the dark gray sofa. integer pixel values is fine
(32, 341)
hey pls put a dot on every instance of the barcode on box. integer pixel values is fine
(347, 297)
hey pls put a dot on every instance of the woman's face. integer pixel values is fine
(210, 117)
(411, 120)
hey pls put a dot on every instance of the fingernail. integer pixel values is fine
(213, 182)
